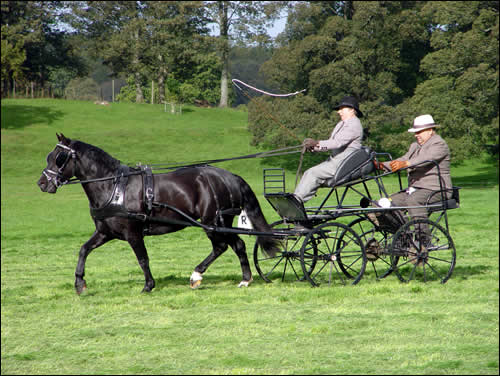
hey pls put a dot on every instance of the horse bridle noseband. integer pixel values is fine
(58, 175)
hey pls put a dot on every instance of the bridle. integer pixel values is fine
(62, 160)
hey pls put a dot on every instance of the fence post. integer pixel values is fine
(152, 91)
(112, 90)
(32, 90)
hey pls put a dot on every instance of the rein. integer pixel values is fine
(265, 154)
(57, 176)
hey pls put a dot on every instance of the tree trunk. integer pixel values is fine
(224, 30)
(162, 75)
(139, 97)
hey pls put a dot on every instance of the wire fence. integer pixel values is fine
(106, 91)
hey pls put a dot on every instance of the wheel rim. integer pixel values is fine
(423, 250)
(285, 265)
(329, 247)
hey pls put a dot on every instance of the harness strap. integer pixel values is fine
(116, 202)
(148, 188)
(211, 187)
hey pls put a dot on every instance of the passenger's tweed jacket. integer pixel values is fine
(426, 175)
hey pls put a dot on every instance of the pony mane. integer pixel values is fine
(96, 154)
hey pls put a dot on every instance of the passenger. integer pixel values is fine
(423, 179)
(344, 140)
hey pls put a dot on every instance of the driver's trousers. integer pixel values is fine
(316, 176)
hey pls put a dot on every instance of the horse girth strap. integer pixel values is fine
(148, 188)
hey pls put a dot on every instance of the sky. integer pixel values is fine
(278, 27)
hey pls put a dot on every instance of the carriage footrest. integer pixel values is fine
(287, 206)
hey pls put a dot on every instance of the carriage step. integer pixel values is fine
(287, 206)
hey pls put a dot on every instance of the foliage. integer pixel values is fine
(13, 58)
(400, 59)
(85, 89)
(31, 28)
(197, 84)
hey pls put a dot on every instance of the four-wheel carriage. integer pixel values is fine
(376, 240)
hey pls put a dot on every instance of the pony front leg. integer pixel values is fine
(96, 240)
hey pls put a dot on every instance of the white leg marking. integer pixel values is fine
(245, 283)
(195, 280)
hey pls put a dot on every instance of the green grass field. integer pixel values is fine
(374, 327)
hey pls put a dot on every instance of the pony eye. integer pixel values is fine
(61, 158)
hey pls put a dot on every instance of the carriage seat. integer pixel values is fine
(451, 203)
(355, 166)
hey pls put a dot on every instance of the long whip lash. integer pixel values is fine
(235, 83)
(234, 80)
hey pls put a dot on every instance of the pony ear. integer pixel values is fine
(63, 139)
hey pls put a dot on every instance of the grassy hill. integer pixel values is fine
(375, 327)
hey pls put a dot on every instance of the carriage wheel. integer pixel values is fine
(328, 250)
(285, 265)
(376, 244)
(423, 250)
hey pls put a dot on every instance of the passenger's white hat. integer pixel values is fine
(422, 122)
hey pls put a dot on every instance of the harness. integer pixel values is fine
(115, 204)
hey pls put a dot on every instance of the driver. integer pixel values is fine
(344, 140)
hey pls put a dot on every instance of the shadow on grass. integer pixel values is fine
(465, 272)
(18, 116)
(208, 280)
(484, 177)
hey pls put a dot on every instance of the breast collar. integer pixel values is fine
(115, 204)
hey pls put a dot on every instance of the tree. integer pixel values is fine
(242, 20)
(117, 31)
(461, 89)
(176, 33)
(13, 58)
(29, 28)
(150, 40)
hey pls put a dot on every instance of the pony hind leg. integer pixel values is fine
(218, 248)
(220, 245)
(239, 247)
(137, 244)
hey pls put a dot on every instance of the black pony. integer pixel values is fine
(128, 203)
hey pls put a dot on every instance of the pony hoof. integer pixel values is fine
(195, 280)
(81, 290)
(195, 284)
(245, 283)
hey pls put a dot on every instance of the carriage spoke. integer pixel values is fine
(283, 266)
(333, 248)
(416, 255)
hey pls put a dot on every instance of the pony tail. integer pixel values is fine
(251, 205)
